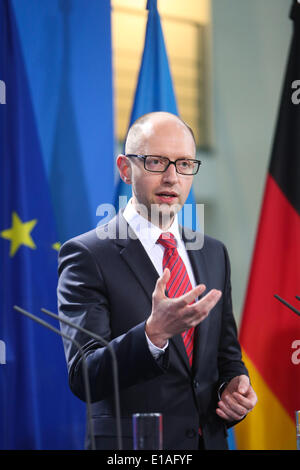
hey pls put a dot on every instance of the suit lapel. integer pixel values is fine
(140, 264)
(134, 254)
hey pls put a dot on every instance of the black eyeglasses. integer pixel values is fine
(158, 164)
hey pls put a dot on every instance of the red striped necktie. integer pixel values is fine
(179, 282)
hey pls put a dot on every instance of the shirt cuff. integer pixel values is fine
(221, 389)
(155, 350)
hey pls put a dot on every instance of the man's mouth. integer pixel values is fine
(167, 196)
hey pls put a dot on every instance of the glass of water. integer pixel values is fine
(297, 416)
(147, 431)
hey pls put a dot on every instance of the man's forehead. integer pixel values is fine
(161, 122)
(157, 128)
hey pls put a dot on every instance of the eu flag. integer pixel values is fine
(154, 91)
(37, 410)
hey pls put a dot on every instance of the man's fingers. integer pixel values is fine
(228, 413)
(161, 282)
(243, 385)
(247, 403)
(249, 400)
(222, 414)
(198, 310)
(234, 405)
(207, 302)
(191, 296)
(252, 397)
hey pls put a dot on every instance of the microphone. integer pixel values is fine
(103, 342)
(84, 366)
(288, 305)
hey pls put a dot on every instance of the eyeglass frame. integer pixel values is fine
(144, 157)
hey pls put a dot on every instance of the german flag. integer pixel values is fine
(270, 332)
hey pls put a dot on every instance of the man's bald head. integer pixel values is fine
(145, 126)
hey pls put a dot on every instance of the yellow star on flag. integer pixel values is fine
(56, 246)
(19, 234)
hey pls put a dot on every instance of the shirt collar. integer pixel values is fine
(147, 232)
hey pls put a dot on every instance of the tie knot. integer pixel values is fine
(167, 240)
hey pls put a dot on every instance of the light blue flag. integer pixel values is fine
(154, 92)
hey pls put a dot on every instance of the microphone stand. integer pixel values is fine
(103, 342)
(287, 304)
(84, 366)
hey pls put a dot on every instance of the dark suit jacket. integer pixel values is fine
(106, 285)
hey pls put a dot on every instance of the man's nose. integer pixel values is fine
(170, 175)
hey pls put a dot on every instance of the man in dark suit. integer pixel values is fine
(162, 300)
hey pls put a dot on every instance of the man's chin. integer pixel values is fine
(163, 214)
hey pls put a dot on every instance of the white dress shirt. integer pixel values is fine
(148, 234)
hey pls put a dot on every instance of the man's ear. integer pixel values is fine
(124, 168)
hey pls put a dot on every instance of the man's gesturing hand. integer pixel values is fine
(172, 316)
(237, 399)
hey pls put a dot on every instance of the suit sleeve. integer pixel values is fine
(230, 362)
(82, 299)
